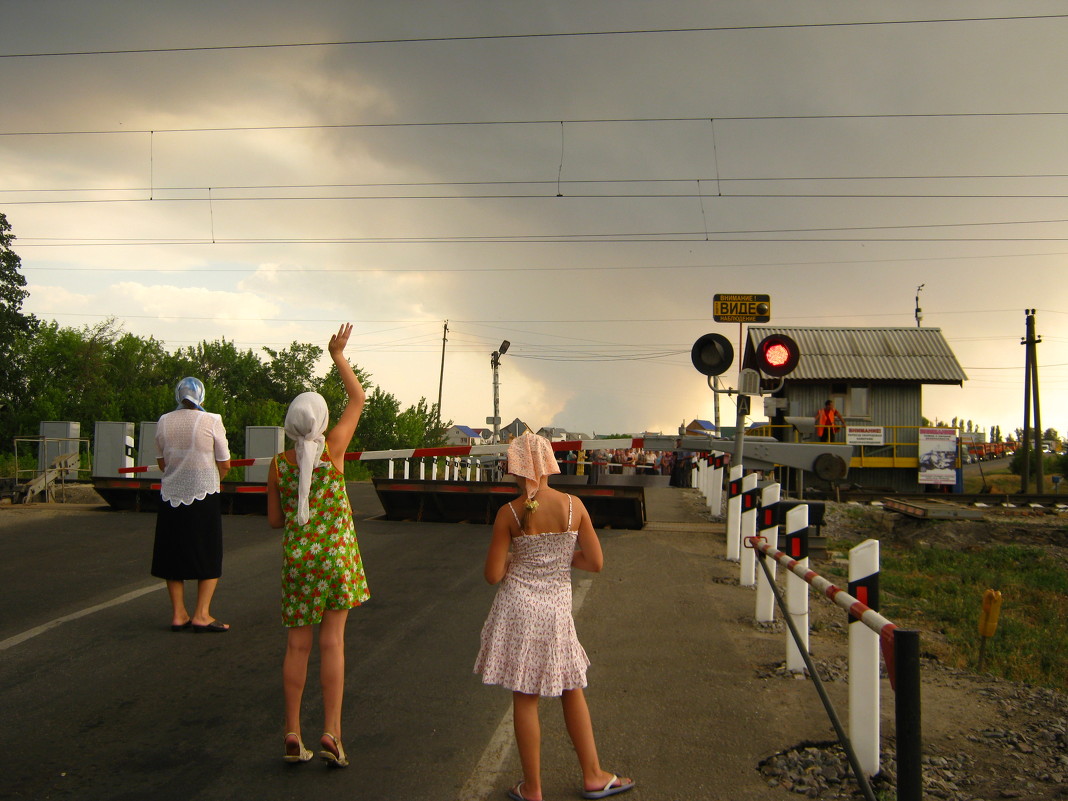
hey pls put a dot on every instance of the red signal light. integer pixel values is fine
(777, 355)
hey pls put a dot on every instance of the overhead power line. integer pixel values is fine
(557, 122)
(545, 35)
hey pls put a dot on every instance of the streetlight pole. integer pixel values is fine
(495, 362)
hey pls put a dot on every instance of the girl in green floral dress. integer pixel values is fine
(322, 573)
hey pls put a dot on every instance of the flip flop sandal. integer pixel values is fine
(215, 627)
(609, 789)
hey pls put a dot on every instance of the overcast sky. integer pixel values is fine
(578, 178)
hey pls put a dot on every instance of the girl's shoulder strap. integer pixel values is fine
(569, 512)
(512, 510)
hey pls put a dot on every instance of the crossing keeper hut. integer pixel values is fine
(875, 376)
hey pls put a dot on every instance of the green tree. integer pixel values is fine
(15, 327)
(292, 371)
(417, 427)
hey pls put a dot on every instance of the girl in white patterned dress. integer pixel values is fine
(528, 642)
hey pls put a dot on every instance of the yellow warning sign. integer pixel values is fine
(741, 308)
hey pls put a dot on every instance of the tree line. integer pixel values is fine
(102, 373)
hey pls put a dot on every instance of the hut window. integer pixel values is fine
(858, 401)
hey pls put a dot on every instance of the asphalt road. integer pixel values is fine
(101, 701)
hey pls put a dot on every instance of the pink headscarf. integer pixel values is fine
(531, 457)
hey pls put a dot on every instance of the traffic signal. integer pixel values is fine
(777, 355)
(712, 354)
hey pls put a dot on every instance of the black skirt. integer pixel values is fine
(188, 541)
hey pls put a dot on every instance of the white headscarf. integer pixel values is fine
(306, 423)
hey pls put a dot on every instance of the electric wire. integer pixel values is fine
(544, 35)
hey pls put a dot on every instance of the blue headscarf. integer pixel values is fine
(192, 390)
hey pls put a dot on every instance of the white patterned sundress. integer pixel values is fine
(529, 643)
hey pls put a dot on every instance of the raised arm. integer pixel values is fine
(339, 437)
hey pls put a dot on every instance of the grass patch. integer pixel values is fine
(941, 590)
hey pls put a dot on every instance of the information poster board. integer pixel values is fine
(938, 456)
(865, 435)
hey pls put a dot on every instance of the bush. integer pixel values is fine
(1051, 463)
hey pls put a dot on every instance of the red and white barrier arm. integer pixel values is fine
(419, 453)
(861, 611)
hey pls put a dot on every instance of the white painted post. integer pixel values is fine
(717, 480)
(864, 658)
(389, 469)
(422, 469)
(734, 518)
(765, 596)
(747, 575)
(433, 469)
(715, 488)
(407, 468)
(797, 596)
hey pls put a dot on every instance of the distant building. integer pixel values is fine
(700, 428)
(875, 377)
(516, 428)
(463, 435)
(561, 435)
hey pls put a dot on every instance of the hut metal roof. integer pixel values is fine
(867, 354)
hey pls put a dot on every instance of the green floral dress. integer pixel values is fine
(321, 567)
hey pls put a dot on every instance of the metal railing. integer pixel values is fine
(59, 459)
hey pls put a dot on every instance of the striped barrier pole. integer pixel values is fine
(796, 544)
(768, 528)
(750, 506)
(869, 617)
(734, 514)
(420, 453)
(864, 658)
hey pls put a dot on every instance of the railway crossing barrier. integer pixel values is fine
(900, 649)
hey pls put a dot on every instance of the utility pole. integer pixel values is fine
(1030, 341)
(919, 315)
(441, 376)
(495, 363)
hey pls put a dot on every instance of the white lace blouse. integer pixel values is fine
(190, 442)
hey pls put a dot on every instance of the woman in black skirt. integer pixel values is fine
(194, 456)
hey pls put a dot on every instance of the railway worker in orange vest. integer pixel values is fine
(826, 425)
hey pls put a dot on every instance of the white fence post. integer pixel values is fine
(797, 588)
(765, 595)
(734, 514)
(864, 658)
(715, 485)
(747, 574)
